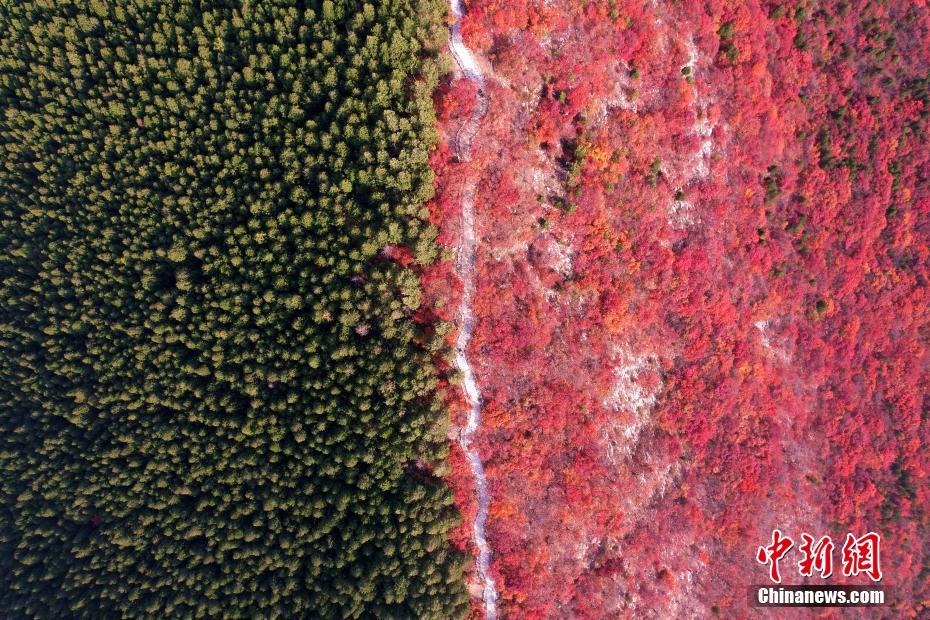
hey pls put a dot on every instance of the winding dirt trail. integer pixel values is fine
(465, 266)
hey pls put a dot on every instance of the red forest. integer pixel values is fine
(702, 295)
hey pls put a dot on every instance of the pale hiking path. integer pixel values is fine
(465, 265)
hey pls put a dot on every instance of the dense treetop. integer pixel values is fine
(712, 223)
(214, 398)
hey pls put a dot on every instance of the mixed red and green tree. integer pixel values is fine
(702, 293)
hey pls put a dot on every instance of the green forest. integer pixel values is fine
(215, 400)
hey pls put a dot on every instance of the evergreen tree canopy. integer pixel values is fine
(211, 386)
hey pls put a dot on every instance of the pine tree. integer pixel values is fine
(211, 390)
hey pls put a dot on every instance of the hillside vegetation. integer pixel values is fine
(701, 283)
(215, 400)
